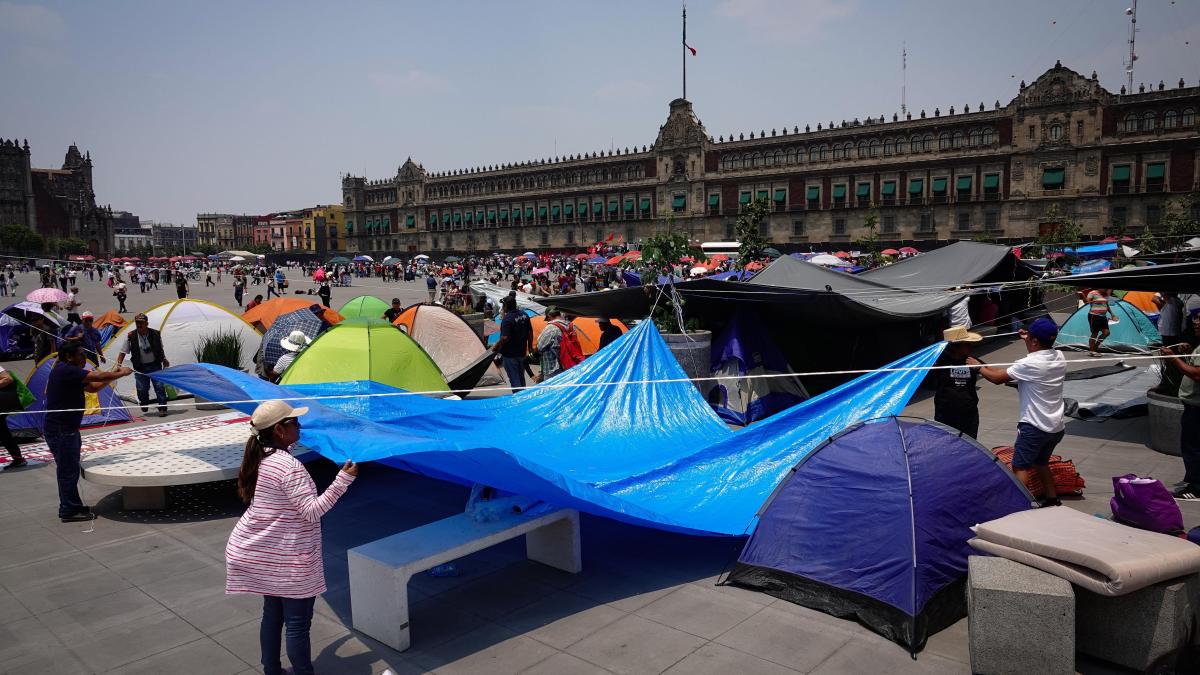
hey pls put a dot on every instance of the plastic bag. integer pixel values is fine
(1145, 503)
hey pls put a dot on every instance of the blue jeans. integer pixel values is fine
(293, 617)
(143, 388)
(66, 447)
(515, 370)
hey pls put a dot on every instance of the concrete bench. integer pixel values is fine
(380, 570)
(1142, 629)
(1019, 619)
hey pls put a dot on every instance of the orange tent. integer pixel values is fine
(109, 318)
(265, 314)
(1143, 300)
(587, 328)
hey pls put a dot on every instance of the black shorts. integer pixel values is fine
(1034, 446)
(1098, 322)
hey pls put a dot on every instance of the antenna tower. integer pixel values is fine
(1132, 14)
(904, 80)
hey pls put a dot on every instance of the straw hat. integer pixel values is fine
(296, 341)
(960, 334)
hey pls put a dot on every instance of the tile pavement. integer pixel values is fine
(142, 593)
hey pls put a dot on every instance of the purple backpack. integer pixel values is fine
(1145, 503)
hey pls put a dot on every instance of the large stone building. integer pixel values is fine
(55, 203)
(1064, 147)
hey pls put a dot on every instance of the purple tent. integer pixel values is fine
(110, 409)
(873, 525)
(744, 349)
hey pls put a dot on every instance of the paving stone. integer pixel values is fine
(561, 619)
(623, 589)
(489, 650)
(715, 659)
(65, 592)
(11, 609)
(133, 640)
(561, 663)
(202, 657)
(82, 619)
(699, 611)
(632, 645)
(29, 544)
(500, 593)
(858, 656)
(785, 638)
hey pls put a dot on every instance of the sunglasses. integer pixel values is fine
(291, 420)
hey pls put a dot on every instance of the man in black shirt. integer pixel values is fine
(64, 399)
(394, 311)
(515, 337)
(956, 401)
(608, 332)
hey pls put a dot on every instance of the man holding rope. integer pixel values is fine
(1189, 422)
(65, 400)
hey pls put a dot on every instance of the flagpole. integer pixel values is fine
(683, 51)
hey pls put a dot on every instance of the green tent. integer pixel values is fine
(364, 305)
(366, 349)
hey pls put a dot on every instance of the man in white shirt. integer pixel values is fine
(1039, 377)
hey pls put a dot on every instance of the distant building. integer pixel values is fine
(243, 231)
(175, 239)
(58, 203)
(129, 233)
(1063, 147)
(323, 229)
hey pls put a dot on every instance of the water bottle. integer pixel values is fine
(445, 570)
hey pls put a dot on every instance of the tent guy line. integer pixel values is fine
(577, 385)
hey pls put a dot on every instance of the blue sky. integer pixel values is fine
(251, 107)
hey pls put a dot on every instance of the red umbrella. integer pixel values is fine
(890, 251)
(1126, 238)
(842, 254)
(614, 260)
(908, 250)
(581, 256)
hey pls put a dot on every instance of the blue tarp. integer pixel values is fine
(623, 435)
(1092, 250)
(1091, 266)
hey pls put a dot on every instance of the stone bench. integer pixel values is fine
(1023, 620)
(380, 570)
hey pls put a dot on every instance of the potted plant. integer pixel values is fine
(222, 348)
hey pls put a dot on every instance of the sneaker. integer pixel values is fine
(1094, 354)
(78, 517)
(1046, 503)
(16, 464)
(1186, 493)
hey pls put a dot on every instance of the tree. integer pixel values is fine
(660, 253)
(751, 245)
(869, 243)
(1177, 219)
(1063, 231)
(71, 246)
(260, 249)
(20, 239)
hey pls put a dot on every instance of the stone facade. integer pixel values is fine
(55, 203)
(1064, 147)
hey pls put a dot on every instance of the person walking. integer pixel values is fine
(10, 402)
(1187, 360)
(431, 285)
(271, 290)
(145, 348)
(121, 294)
(64, 399)
(513, 345)
(275, 548)
(208, 280)
(1039, 376)
(181, 285)
(325, 293)
(955, 399)
(239, 288)
(1099, 311)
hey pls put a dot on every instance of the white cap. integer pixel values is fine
(270, 413)
(295, 341)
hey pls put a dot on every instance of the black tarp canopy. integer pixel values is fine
(1179, 277)
(960, 263)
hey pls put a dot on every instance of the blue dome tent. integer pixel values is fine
(742, 350)
(103, 408)
(873, 525)
(1134, 332)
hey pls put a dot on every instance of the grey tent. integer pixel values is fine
(963, 262)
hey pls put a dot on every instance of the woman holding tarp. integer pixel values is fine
(275, 548)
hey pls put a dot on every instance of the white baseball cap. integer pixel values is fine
(270, 413)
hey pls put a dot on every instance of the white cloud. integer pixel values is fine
(415, 81)
(34, 33)
(787, 20)
(622, 90)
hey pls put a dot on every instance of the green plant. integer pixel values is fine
(750, 241)
(868, 244)
(660, 253)
(1177, 218)
(223, 348)
(20, 239)
(1063, 231)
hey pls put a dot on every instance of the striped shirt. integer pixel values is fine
(1097, 303)
(275, 548)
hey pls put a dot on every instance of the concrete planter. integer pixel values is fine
(1165, 412)
(475, 321)
(693, 351)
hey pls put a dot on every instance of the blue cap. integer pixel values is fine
(1045, 330)
(1195, 311)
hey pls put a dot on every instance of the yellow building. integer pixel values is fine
(324, 229)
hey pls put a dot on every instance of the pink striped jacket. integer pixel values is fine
(275, 548)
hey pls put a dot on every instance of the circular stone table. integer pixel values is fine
(144, 468)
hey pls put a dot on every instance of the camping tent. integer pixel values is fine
(102, 407)
(366, 349)
(873, 525)
(302, 320)
(496, 294)
(745, 349)
(1181, 277)
(364, 306)
(266, 313)
(1133, 332)
(449, 340)
(588, 330)
(1143, 300)
(184, 325)
(960, 263)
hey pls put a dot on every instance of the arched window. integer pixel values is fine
(726, 163)
(888, 146)
(943, 141)
(791, 156)
(1055, 132)
(974, 138)
(899, 146)
(1132, 122)
(824, 153)
(989, 136)
(736, 162)
(841, 151)
(1170, 119)
(873, 148)
(957, 139)
(863, 150)
(814, 154)
(1148, 122)
(1188, 118)
(927, 143)
(756, 160)
(914, 144)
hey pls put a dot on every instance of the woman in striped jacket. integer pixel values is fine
(275, 548)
